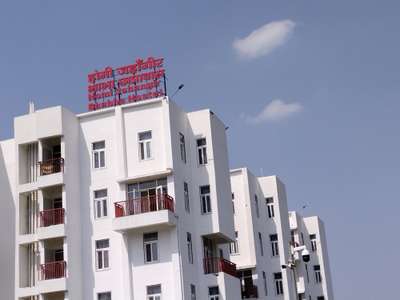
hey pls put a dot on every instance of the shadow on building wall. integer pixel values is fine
(7, 229)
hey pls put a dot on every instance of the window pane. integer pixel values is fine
(155, 251)
(205, 189)
(100, 260)
(141, 150)
(96, 160)
(100, 244)
(148, 252)
(98, 145)
(106, 261)
(104, 208)
(100, 193)
(152, 236)
(145, 135)
(148, 148)
(98, 209)
(154, 289)
(102, 159)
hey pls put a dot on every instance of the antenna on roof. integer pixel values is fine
(31, 107)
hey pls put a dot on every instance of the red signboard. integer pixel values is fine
(139, 81)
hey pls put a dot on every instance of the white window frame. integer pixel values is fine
(214, 296)
(313, 240)
(102, 202)
(274, 245)
(153, 244)
(154, 296)
(278, 284)
(182, 146)
(105, 252)
(205, 200)
(98, 153)
(186, 196)
(201, 150)
(234, 246)
(145, 146)
(270, 207)
(318, 275)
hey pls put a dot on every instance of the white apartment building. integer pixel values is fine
(268, 251)
(135, 202)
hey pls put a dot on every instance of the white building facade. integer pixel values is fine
(268, 252)
(134, 202)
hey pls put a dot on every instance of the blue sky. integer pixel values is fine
(313, 98)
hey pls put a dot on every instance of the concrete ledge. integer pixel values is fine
(55, 231)
(159, 218)
(52, 285)
(50, 180)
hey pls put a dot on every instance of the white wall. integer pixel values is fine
(7, 218)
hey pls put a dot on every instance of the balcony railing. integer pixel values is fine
(51, 166)
(218, 264)
(51, 217)
(143, 205)
(249, 292)
(53, 270)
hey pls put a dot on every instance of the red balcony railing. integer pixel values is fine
(218, 264)
(143, 205)
(249, 292)
(53, 270)
(51, 217)
(51, 166)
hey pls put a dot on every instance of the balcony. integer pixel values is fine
(51, 166)
(53, 270)
(214, 265)
(249, 292)
(156, 210)
(50, 217)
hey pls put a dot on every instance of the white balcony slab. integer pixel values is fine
(159, 218)
(49, 232)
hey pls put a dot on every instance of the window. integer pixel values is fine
(308, 276)
(257, 207)
(274, 244)
(320, 298)
(234, 246)
(202, 151)
(233, 203)
(104, 296)
(213, 293)
(154, 292)
(270, 207)
(102, 254)
(261, 243)
(145, 145)
(99, 154)
(265, 283)
(186, 196)
(189, 247)
(100, 203)
(278, 283)
(192, 292)
(182, 146)
(150, 241)
(205, 199)
(317, 271)
(302, 296)
(313, 239)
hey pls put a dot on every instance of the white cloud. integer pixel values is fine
(264, 39)
(274, 111)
